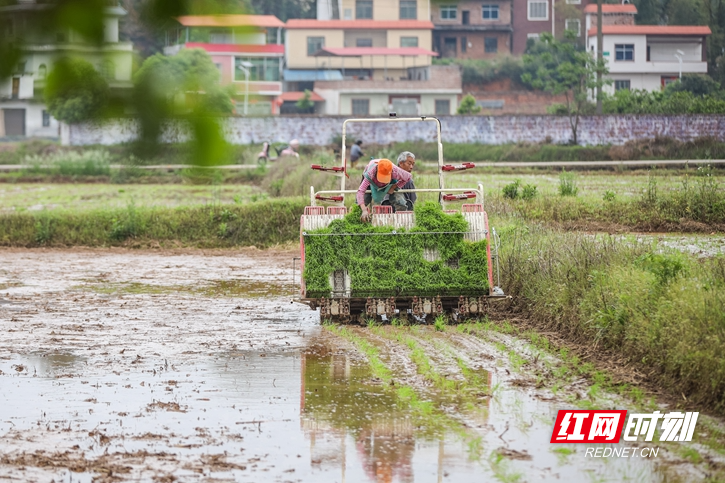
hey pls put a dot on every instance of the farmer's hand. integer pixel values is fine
(365, 214)
(392, 189)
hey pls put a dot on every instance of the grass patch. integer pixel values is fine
(656, 307)
(261, 224)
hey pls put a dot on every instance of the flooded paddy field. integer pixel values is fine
(190, 365)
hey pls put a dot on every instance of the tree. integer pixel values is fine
(686, 12)
(75, 91)
(698, 84)
(468, 105)
(305, 103)
(563, 68)
(183, 86)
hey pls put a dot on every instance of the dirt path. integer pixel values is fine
(189, 365)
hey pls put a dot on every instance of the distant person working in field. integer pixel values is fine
(406, 162)
(382, 178)
(356, 152)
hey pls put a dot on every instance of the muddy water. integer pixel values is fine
(193, 366)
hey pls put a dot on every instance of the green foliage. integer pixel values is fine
(651, 305)
(440, 323)
(128, 226)
(305, 103)
(673, 100)
(478, 71)
(293, 176)
(69, 163)
(529, 192)
(183, 86)
(468, 105)
(511, 190)
(381, 263)
(609, 196)
(75, 91)
(563, 68)
(567, 184)
(697, 84)
(261, 224)
(702, 200)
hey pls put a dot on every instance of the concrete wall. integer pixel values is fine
(455, 129)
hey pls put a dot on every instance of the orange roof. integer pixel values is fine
(299, 23)
(608, 8)
(652, 30)
(294, 96)
(230, 21)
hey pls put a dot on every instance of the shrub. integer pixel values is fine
(567, 184)
(468, 105)
(529, 192)
(511, 190)
(609, 196)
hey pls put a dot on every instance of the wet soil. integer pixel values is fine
(191, 365)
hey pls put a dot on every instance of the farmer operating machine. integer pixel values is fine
(432, 261)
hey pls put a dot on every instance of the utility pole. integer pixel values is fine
(600, 56)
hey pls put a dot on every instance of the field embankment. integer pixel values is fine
(261, 224)
(659, 309)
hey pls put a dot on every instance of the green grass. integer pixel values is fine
(654, 306)
(261, 224)
(91, 196)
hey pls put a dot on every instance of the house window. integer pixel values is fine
(621, 85)
(221, 37)
(262, 69)
(490, 12)
(46, 118)
(360, 107)
(490, 45)
(575, 25)
(363, 42)
(347, 14)
(364, 9)
(624, 52)
(408, 9)
(574, 2)
(538, 10)
(42, 71)
(314, 44)
(668, 79)
(443, 107)
(464, 45)
(449, 12)
(409, 41)
(107, 69)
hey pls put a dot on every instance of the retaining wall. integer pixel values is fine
(312, 130)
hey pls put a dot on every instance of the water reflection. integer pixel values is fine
(339, 404)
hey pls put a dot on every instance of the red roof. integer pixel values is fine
(230, 21)
(360, 51)
(299, 23)
(294, 96)
(652, 30)
(608, 8)
(242, 48)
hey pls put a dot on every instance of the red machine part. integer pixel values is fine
(458, 167)
(314, 210)
(462, 196)
(337, 210)
(382, 209)
(336, 169)
(328, 198)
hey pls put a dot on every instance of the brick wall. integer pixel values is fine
(455, 129)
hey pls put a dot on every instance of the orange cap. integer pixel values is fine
(385, 171)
